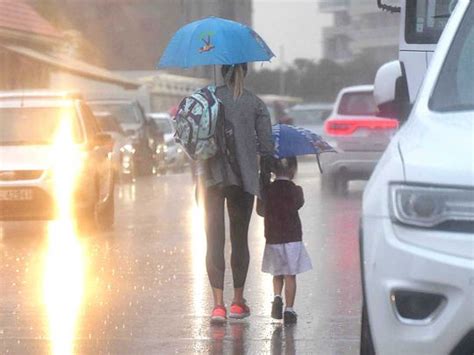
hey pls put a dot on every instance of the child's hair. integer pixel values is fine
(286, 167)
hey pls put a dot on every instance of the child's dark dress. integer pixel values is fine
(285, 253)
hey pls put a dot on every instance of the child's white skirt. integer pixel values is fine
(286, 259)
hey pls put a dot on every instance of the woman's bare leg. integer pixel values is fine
(218, 295)
(238, 295)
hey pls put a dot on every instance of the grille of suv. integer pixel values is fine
(20, 175)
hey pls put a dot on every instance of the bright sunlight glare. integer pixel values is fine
(64, 265)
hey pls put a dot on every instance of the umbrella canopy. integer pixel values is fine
(292, 141)
(214, 41)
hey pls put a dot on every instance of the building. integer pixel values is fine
(20, 25)
(132, 35)
(360, 27)
(32, 55)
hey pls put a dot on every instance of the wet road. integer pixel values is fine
(143, 289)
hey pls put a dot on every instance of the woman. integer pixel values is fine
(236, 183)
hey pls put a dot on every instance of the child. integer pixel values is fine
(285, 254)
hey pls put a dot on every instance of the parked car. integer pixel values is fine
(131, 117)
(417, 226)
(311, 115)
(123, 151)
(359, 136)
(29, 121)
(175, 157)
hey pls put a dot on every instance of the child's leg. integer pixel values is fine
(277, 304)
(278, 285)
(290, 290)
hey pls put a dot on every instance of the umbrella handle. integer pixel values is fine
(319, 164)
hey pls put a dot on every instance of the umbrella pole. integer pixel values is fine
(215, 75)
(319, 163)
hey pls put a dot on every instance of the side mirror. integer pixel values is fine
(391, 91)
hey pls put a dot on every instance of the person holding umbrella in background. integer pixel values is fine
(233, 177)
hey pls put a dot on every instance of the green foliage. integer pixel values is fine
(314, 81)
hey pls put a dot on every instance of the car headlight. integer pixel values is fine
(161, 148)
(428, 207)
(127, 148)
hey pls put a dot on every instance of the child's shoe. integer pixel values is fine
(290, 317)
(239, 310)
(218, 315)
(277, 308)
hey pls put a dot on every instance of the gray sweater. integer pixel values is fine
(253, 137)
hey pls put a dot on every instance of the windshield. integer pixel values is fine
(123, 112)
(164, 125)
(358, 104)
(34, 125)
(109, 124)
(309, 116)
(455, 88)
(426, 19)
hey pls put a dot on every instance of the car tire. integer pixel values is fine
(366, 343)
(106, 216)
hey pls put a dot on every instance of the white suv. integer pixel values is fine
(417, 230)
(29, 122)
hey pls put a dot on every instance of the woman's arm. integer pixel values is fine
(299, 197)
(263, 128)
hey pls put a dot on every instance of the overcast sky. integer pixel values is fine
(290, 26)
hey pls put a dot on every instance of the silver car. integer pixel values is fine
(29, 122)
(175, 156)
(310, 115)
(359, 136)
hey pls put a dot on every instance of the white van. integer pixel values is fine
(417, 227)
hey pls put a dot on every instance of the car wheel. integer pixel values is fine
(106, 215)
(366, 343)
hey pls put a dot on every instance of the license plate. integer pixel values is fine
(16, 195)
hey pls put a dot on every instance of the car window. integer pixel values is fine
(35, 125)
(455, 88)
(309, 116)
(426, 20)
(109, 124)
(358, 104)
(90, 122)
(125, 113)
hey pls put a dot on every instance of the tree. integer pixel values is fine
(315, 81)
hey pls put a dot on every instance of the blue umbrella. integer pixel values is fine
(214, 41)
(292, 141)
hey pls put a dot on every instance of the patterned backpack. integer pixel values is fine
(196, 122)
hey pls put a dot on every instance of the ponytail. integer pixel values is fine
(234, 76)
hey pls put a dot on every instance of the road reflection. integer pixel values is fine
(63, 285)
(63, 275)
(198, 257)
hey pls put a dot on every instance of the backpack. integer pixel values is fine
(196, 122)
